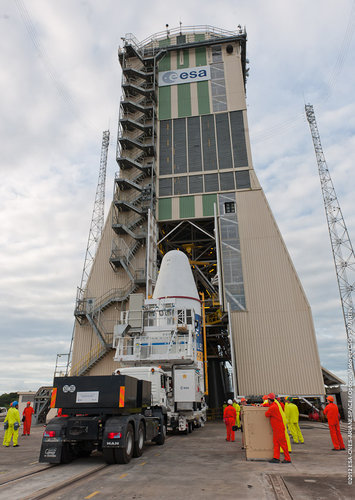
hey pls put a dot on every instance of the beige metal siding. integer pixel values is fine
(275, 344)
(233, 78)
(106, 366)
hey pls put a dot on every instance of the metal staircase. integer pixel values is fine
(122, 254)
(133, 197)
(90, 360)
(41, 404)
(134, 186)
(92, 307)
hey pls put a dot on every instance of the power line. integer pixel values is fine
(42, 54)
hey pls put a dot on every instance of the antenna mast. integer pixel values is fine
(343, 253)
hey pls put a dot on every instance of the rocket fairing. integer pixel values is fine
(176, 279)
(166, 328)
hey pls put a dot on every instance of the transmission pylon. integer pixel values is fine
(343, 253)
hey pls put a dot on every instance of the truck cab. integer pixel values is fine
(159, 379)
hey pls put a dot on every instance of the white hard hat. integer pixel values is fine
(230, 402)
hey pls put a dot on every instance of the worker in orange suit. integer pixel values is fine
(278, 431)
(331, 411)
(27, 419)
(282, 402)
(284, 419)
(229, 418)
(265, 401)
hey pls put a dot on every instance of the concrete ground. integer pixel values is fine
(200, 465)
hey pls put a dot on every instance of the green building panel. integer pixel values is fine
(165, 63)
(208, 201)
(187, 207)
(185, 63)
(164, 103)
(165, 92)
(201, 56)
(164, 43)
(203, 98)
(184, 100)
(165, 208)
(199, 37)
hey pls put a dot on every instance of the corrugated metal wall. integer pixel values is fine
(275, 343)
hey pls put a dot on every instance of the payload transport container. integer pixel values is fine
(112, 414)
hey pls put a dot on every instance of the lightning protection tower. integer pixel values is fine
(95, 232)
(98, 214)
(343, 253)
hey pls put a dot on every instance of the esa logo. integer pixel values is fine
(186, 75)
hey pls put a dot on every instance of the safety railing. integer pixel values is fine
(92, 356)
(154, 39)
(157, 348)
(61, 365)
(120, 250)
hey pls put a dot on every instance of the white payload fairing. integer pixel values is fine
(175, 278)
(167, 327)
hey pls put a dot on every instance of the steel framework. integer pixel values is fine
(95, 232)
(98, 214)
(343, 253)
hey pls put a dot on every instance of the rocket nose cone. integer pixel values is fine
(175, 277)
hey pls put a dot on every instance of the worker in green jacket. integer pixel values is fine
(292, 415)
(13, 420)
(237, 409)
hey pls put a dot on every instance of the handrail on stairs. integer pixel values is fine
(93, 355)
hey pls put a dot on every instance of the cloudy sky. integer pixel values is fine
(60, 88)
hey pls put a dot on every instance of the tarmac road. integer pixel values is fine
(201, 465)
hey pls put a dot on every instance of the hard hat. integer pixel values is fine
(330, 398)
(15, 403)
(271, 396)
(28, 403)
(264, 398)
(230, 402)
(243, 399)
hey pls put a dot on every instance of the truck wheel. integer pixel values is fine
(109, 456)
(160, 439)
(124, 455)
(139, 444)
